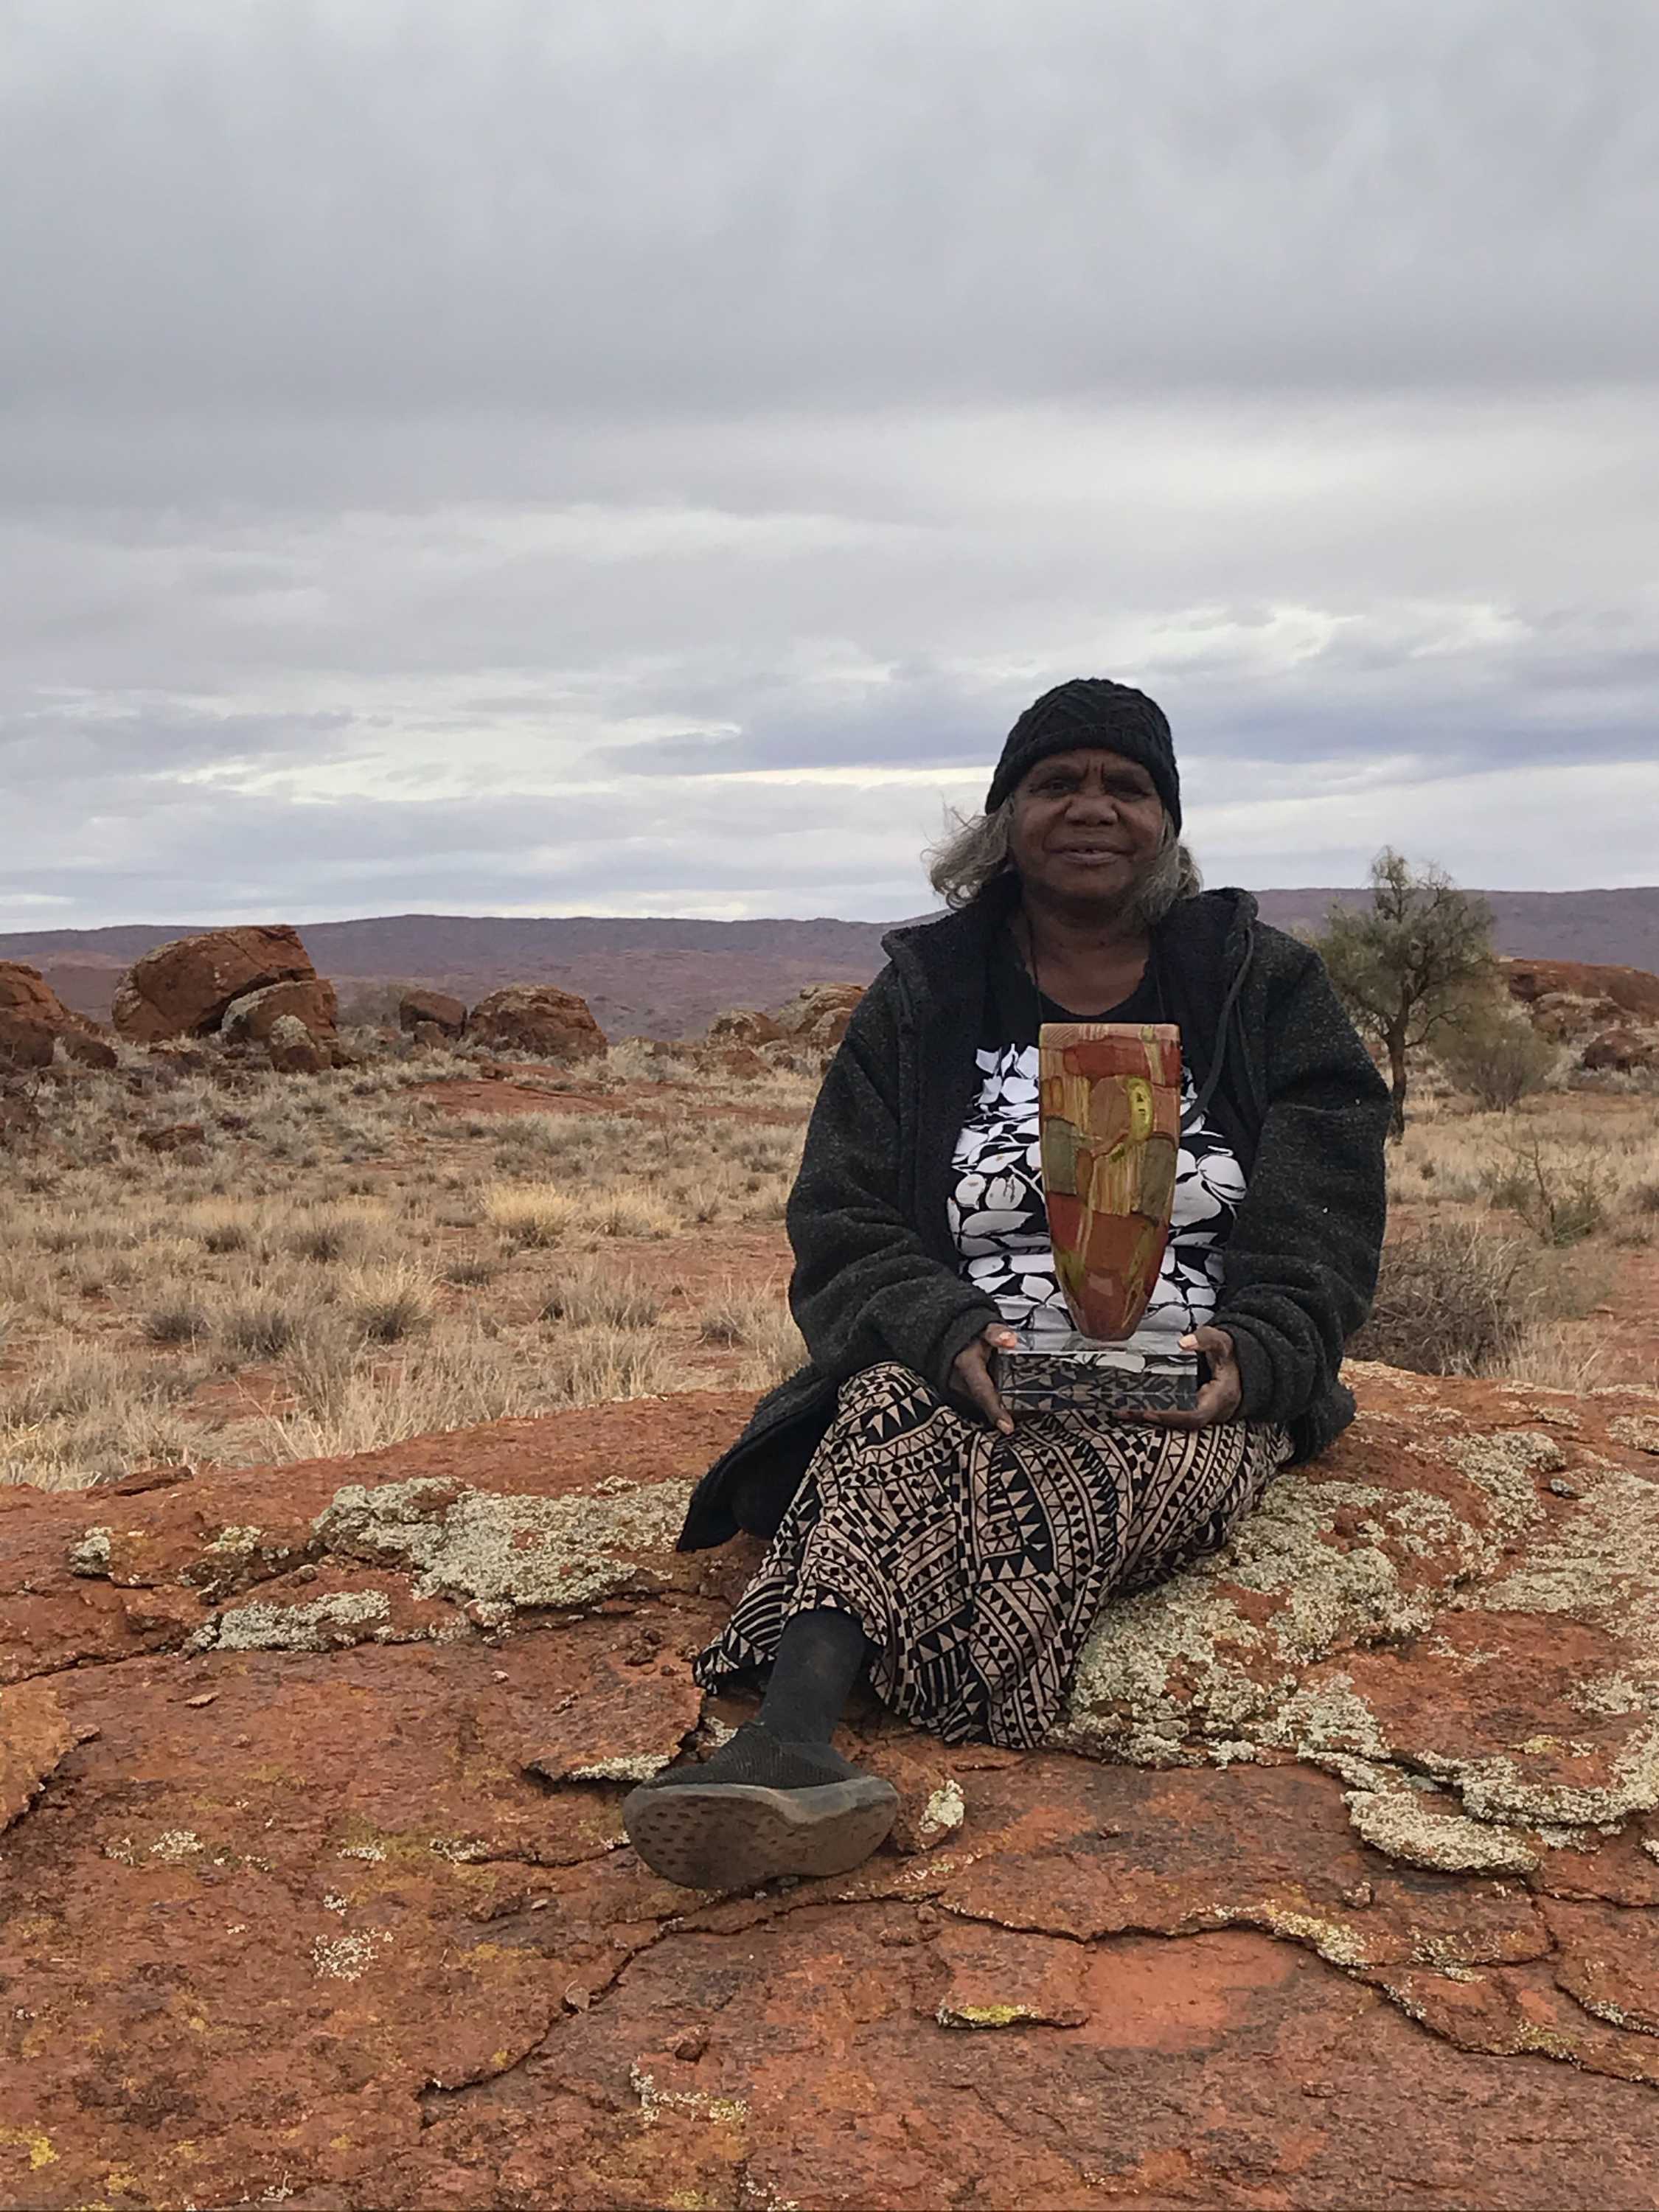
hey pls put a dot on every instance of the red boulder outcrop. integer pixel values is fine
(1610, 1017)
(293, 1049)
(1622, 1049)
(35, 1021)
(1342, 1888)
(536, 1018)
(186, 988)
(250, 1018)
(817, 1016)
(435, 1009)
(744, 1025)
(1626, 990)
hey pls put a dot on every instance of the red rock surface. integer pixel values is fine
(818, 1015)
(311, 1000)
(33, 1020)
(1609, 1016)
(741, 1025)
(184, 989)
(1627, 990)
(444, 1013)
(1336, 1895)
(536, 1018)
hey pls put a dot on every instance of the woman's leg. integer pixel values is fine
(821, 1655)
(1193, 1494)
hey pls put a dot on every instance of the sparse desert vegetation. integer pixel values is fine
(270, 1267)
(228, 1265)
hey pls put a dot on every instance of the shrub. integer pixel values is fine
(322, 1240)
(1499, 1058)
(180, 1321)
(1562, 1197)
(1453, 1300)
(224, 1230)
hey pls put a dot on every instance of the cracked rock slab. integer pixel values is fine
(315, 1887)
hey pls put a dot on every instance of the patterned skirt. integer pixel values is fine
(977, 1563)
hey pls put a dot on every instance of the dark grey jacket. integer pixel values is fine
(877, 1271)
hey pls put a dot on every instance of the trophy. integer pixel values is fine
(1109, 1123)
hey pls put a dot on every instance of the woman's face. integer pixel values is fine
(1086, 825)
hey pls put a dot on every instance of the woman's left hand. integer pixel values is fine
(1219, 1398)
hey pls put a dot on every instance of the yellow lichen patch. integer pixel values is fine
(34, 2140)
(972, 2015)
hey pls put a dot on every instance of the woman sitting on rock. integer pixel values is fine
(918, 1535)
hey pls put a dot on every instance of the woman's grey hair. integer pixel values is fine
(978, 850)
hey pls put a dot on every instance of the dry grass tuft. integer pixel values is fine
(530, 1216)
(261, 1324)
(759, 1323)
(467, 1374)
(584, 1296)
(632, 1213)
(180, 1321)
(386, 1303)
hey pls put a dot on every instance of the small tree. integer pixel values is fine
(1405, 965)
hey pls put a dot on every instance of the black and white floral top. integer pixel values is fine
(996, 1209)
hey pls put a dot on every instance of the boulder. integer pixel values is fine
(185, 988)
(87, 1049)
(437, 1008)
(1628, 990)
(743, 1025)
(1341, 1888)
(817, 1016)
(292, 1049)
(1608, 1016)
(1622, 1050)
(33, 1019)
(431, 1037)
(252, 1018)
(742, 1062)
(24, 1043)
(539, 1019)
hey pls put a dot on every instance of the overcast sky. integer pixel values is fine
(637, 456)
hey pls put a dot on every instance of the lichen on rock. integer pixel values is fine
(90, 1556)
(1401, 1824)
(321, 1626)
(509, 1550)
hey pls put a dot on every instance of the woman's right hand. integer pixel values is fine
(970, 1374)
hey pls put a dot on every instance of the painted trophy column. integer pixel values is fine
(1109, 1138)
(1110, 1103)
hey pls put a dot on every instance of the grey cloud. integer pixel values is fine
(623, 211)
(418, 420)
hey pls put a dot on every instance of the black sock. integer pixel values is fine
(820, 1656)
(754, 1755)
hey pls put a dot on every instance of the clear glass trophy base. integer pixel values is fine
(1147, 1373)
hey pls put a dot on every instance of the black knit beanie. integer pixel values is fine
(1092, 710)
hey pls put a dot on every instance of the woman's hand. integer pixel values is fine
(1218, 1400)
(971, 1374)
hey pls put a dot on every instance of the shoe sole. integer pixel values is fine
(735, 1835)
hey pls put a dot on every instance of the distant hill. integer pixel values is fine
(669, 977)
